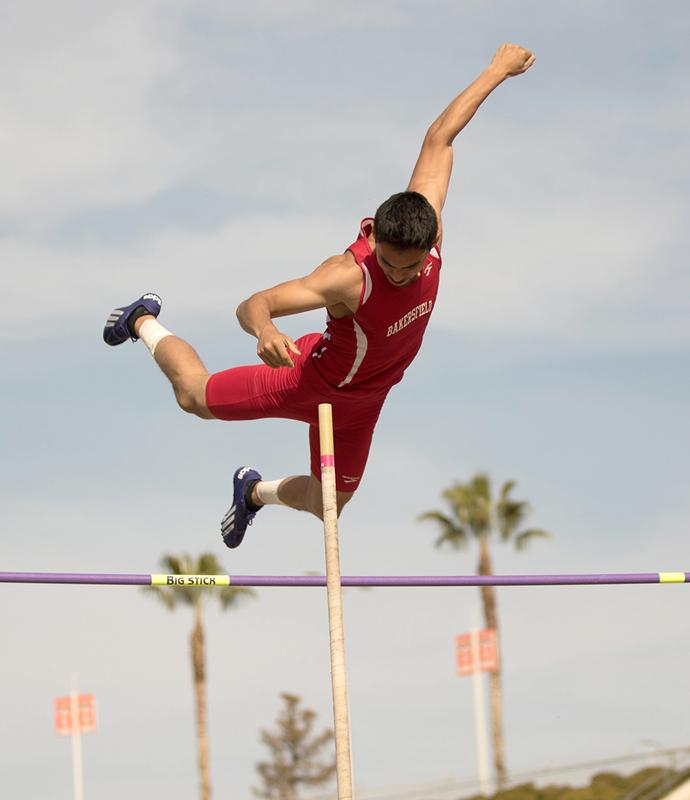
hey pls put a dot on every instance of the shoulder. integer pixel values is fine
(342, 269)
(340, 279)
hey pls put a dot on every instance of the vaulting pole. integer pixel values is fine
(335, 606)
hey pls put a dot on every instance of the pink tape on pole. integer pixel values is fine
(327, 461)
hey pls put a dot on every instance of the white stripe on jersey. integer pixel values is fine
(368, 286)
(362, 344)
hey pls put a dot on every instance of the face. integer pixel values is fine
(401, 267)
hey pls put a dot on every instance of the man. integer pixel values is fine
(378, 296)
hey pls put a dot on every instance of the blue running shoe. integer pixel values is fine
(120, 324)
(239, 515)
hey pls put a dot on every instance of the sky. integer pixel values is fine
(205, 150)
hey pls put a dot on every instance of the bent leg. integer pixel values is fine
(184, 369)
(303, 493)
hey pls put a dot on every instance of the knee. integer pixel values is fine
(186, 401)
(192, 398)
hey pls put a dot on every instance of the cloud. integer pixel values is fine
(196, 272)
(555, 235)
(75, 119)
(132, 154)
(309, 16)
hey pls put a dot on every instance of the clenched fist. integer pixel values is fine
(511, 59)
(274, 348)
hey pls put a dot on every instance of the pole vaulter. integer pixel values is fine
(378, 294)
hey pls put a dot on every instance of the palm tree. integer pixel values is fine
(475, 515)
(171, 596)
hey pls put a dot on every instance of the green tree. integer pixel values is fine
(294, 753)
(172, 596)
(475, 516)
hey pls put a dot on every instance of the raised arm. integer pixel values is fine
(337, 281)
(431, 174)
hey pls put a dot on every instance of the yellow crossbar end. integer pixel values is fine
(671, 577)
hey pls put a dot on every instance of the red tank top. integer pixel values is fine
(370, 350)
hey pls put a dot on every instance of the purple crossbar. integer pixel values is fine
(354, 580)
(75, 577)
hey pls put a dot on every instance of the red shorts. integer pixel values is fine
(261, 392)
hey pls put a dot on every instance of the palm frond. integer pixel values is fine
(525, 537)
(208, 564)
(510, 514)
(163, 594)
(176, 565)
(481, 486)
(232, 595)
(450, 532)
(471, 503)
(506, 489)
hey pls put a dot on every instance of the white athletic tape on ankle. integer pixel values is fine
(267, 492)
(151, 332)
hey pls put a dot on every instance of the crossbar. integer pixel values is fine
(120, 579)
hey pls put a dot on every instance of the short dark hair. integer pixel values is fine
(406, 220)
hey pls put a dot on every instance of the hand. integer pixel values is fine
(511, 59)
(274, 348)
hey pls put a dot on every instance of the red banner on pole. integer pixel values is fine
(75, 714)
(488, 653)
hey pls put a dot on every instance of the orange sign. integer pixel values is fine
(488, 653)
(75, 714)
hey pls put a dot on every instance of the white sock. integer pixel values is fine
(267, 492)
(151, 332)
